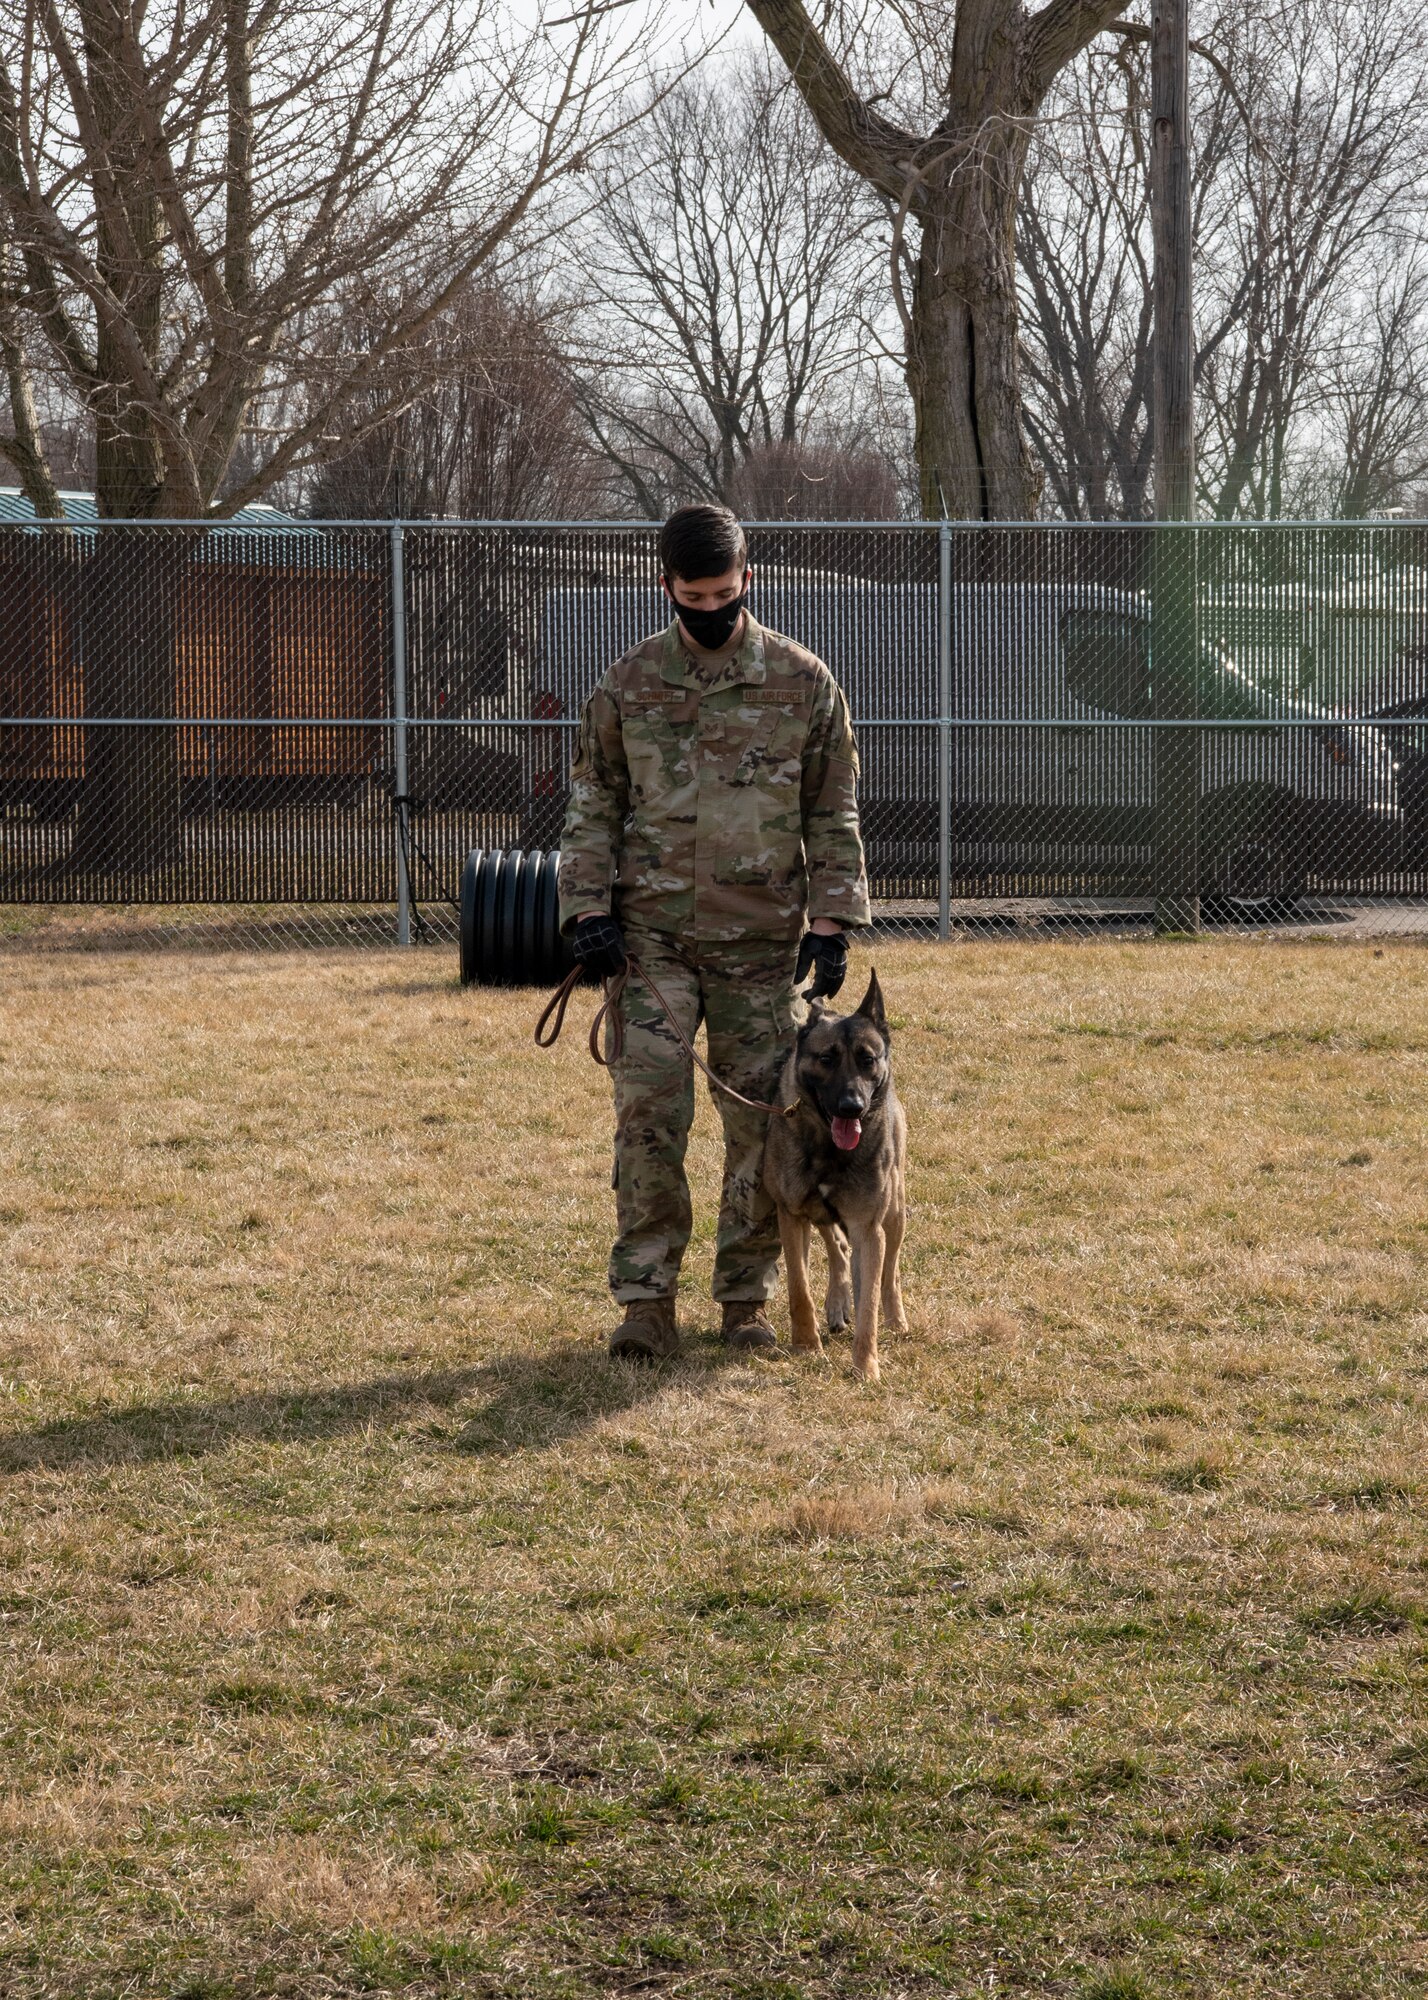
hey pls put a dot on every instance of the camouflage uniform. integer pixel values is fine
(713, 814)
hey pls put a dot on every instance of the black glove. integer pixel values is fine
(599, 946)
(830, 956)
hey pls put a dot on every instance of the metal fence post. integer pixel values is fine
(944, 730)
(1174, 663)
(399, 732)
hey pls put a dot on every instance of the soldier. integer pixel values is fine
(712, 813)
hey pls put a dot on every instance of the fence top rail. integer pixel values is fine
(535, 722)
(307, 526)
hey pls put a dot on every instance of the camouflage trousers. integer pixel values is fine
(744, 994)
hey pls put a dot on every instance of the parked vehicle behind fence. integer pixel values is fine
(1052, 728)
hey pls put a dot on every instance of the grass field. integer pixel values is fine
(364, 1631)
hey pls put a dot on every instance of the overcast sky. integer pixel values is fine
(703, 21)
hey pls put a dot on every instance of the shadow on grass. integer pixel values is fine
(521, 1401)
(537, 1400)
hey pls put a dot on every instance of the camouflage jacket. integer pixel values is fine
(718, 810)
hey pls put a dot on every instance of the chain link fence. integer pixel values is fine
(297, 731)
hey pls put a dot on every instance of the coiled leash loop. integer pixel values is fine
(552, 1020)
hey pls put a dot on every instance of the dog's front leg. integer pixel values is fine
(868, 1247)
(838, 1306)
(894, 1312)
(795, 1236)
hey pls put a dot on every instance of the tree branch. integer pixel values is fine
(1134, 31)
(44, 300)
(23, 448)
(1062, 29)
(871, 144)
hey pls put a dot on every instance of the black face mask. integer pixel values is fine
(711, 629)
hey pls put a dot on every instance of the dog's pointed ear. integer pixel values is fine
(871, 1006)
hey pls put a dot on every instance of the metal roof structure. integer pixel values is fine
(82, 509)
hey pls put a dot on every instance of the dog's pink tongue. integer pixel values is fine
(847, 1132)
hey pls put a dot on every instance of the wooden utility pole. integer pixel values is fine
(1170, 225)
(1174, 646)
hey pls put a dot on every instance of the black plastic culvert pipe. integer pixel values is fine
(509, 927)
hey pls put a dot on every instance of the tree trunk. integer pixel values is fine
(960, 183)
(963, 368)
(129, 822)
(971, 447)
(129, 809)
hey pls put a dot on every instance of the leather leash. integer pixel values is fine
(552, 1020)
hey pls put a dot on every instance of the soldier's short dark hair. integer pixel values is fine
(701, 540)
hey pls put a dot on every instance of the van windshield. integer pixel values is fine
(1108, 667)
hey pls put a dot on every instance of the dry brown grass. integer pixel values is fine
(299, 1884)
(364, 1632)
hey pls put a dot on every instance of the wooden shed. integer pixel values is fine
(270, 619)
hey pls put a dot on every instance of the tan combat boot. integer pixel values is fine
(746, 1325)
(647, 1333)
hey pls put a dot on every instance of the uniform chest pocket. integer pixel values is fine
(747, 747)
(759, 839)
(658, 739)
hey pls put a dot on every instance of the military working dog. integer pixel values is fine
(839, 1165)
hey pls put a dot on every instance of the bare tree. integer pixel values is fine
(797, 482)
(1378, 394)
(189, 195)
(492, 432)
(1312, 178)
(1308, 192)
(940, 130)
(1083, 247)
(193, 195)
(24, 444)
(729, 274)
